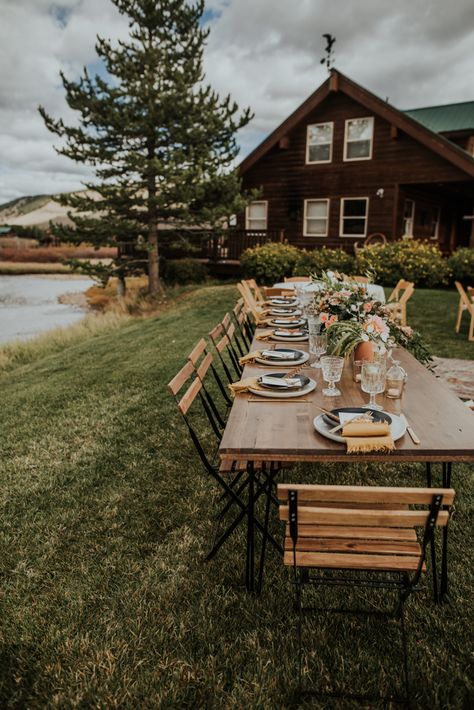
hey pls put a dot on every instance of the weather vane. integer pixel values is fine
(328, 60)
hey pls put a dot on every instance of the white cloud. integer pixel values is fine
(264, 52)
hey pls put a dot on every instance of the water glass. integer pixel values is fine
(331, 366)
(317, 347)
(373, 380)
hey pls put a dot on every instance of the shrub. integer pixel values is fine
(412, 260)
(317, 260)
(461, 264)
(270, 262)
(184, 271)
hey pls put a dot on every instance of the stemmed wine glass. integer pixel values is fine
(373, 380)
(332, 370)
(317, 347)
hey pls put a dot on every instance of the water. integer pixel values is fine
(29, 305)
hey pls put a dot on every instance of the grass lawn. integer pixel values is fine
(106, 516)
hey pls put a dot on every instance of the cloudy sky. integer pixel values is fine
(265, 52)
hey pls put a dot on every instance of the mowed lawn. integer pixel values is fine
(106, 515)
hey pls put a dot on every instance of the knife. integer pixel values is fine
(413, 436)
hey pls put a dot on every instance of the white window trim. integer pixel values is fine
(247, 218)
(341, 217)
(346, 127)
(316, 199)
(317, 162)
(435, 235)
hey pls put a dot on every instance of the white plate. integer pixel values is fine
(288, 323)
(277, 363)
(289, 338)
(285, 394)
(286, 312)
(397, 428)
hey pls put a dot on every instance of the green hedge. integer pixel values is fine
(317, 260)
(184, 271)
(461, 264)
(270, 262)
(420, 262)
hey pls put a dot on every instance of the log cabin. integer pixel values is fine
(346, 165)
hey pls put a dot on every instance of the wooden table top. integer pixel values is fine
(284, 431)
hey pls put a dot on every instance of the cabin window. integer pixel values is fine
(256, 215)
(316, 218)
(358, 138)
(319, 143)
(354, 212)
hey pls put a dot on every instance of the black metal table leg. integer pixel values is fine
(434, 573)
(250, 571)
(447, 470)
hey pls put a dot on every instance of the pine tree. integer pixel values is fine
(161, 142)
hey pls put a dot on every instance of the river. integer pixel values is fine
(29, 304)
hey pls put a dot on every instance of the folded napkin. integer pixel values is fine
(250, 357)
(363, 437)
(244, 385)
(281, 320)
(264, 335)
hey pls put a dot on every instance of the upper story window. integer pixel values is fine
(358, 138)
(354, 212)
(256, 215)
(316, 215)
(319, 143)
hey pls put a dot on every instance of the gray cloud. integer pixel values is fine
(264, 52)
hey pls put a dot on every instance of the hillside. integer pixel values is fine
(34, 211)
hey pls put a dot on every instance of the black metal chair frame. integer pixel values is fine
(257, 483)
(400, 582)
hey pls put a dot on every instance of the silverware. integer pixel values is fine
(329, 414)
(355, 419)
(413, 435)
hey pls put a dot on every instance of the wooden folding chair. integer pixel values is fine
(360, 536)
(243, 323)
(269, 292)
(358, 279)
(466, 303)
(397, 304)
(256, 291)
(222, 336)
(232, 477)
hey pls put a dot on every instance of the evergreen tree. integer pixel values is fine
(161, 142)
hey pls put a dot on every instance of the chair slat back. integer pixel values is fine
(180, 378)
(197, 352)
(189, 396)
(390, 505)
(400, 286)
(296, 279)
(269, 292)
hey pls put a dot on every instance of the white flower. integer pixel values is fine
(370, 328)
(365, 337)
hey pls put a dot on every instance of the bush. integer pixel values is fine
(317, 260)
(461, 264)
(270, 262)
(184, 271)
(412, 260)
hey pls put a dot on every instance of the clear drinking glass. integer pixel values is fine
(373, 380)
(317, 347)
(332, 370)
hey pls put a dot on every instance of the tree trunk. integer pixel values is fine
(154, 283)
(121, 286)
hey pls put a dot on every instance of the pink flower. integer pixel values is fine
(331, 320)
(407, 330)
(323, 317)
(367, 307)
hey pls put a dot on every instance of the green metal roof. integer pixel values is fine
(452, 117)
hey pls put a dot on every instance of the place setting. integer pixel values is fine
(276, 357)
(297, 334)
(278, 386)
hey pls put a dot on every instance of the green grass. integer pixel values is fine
(433, 313)
(13, 268)
(106, 516)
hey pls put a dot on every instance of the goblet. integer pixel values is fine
(373, 380)
(317, 347)
(332, 370)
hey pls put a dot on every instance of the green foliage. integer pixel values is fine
(461, 264)
(412, 260)
(184, 271)
(270, 262)
(161, 142)
(323, 259)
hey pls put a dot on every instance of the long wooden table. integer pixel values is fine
(284, 431)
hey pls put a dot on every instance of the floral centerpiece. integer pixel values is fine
(351, 317)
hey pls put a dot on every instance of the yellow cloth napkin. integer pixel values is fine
(364, 437)
(244, 385)
(264, 335)
(250, 357)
